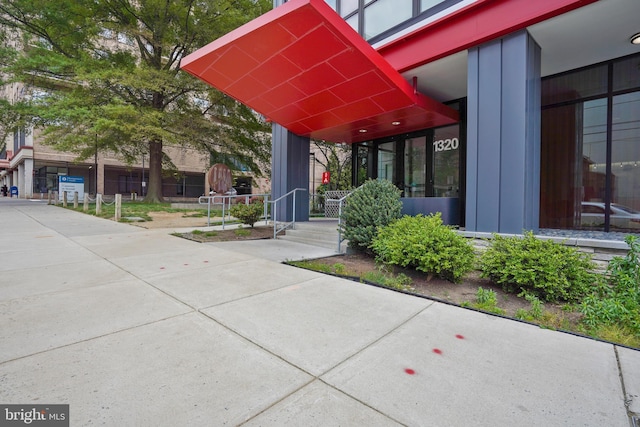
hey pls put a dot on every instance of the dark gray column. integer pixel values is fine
(503, 135)
(290, 170)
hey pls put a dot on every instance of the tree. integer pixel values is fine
(336, 159)
(104, 75)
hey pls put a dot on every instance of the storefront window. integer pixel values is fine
(590, 149)
(625, 158)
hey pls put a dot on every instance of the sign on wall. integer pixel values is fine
(71, 184)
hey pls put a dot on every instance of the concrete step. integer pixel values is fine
(316, 233)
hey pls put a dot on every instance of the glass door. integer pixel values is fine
(445, 162)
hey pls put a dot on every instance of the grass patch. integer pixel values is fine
(142, 210)
(241, 232)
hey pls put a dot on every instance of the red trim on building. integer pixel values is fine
(470, 26)
(302, 66)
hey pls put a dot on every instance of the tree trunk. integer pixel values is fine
(154, 191)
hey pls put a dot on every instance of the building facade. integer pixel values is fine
(504, 115)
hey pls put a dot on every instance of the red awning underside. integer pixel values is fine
(305, 68)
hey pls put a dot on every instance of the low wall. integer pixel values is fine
(602, 251)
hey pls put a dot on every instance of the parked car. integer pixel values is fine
(622, 217)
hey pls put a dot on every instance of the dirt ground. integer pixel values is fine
(174, 220)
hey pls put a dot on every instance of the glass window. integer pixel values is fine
(387, 161)
(446, 162)
(625, 160)
(573, 164)
(428, 4)
(384, 14)
(415, 167)
(331, 3)
(577, 85)
(626, 73)
(348, 6)
(364, 165)
(353, 21)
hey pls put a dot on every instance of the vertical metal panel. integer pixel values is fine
(290, 170)
(471, 208)
(513, 123)
(489, 135)
(503, 152)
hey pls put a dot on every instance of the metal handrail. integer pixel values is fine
(225, 200)
(341, 202)
(274, 211)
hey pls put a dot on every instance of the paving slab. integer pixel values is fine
(219, 284)
(276, 250)
(630, 369)
(37, 323)
(184, 371)
(137, 242)
(319, 405)
(172, 261)
(48, 279)
(449, 366)
(68, 254)
(317, 324)
(41, 239)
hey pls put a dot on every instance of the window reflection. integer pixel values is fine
(625, 157)
(384, 14)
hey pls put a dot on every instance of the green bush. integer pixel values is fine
(248, 214)
(619, 301)
(551, 271)
(375, 204)
(426, 244)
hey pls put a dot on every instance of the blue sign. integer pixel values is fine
(71, 184)
(72, 179)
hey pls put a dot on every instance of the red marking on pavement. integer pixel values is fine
(460, 337)
(437, 351)
(410, 371)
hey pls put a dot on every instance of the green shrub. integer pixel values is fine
(248, 214)
(375, 204)
(551, 271)
(426, 244)
(617, 303)
(486, 300)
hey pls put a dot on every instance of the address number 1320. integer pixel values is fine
(446, 144)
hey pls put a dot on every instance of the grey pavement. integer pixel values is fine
(135, 327)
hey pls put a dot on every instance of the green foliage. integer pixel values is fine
(248, 214)
(486, 300)
(426, 244)
(548, 270)
(105, 76)
(241, 232)
(336, 159)
(617, 303)
(400, 282)
(536, 312)
(340, 269)
(375, 204)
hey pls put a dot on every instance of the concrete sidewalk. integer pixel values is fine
(133, 327)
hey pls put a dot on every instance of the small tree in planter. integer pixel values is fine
(249, 214)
